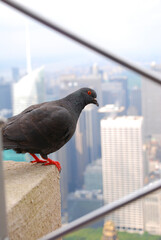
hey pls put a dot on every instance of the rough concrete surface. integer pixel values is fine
(32, 199)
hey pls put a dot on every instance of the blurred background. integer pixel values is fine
(117, 147)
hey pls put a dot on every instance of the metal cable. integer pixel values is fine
(100, 212)
(78, 39)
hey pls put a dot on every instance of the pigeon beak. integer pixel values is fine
(95, 102)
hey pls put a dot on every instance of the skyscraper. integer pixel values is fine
(28, 90)
(91, 132)
(152, 206)
(93, 176)
(151, 111)
(82, 202)
(152, 210)
(135, 102)
(122, 166)
(113, 93)
(125, 94)
(5, 99)
(15, 74)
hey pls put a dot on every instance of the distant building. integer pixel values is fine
(152, 151)
(125, 94)
(82, 202)
(92, 132)
(93, 176)
(152, 213)
(113, 93)
(110, 93)
(87, 141)
(81, 151)
(15, 74)
(123, 168)
(151, 111)
(68, 181)
(28, 90)
(110, 110)
(6, 100)
(135, 102)
(134, 80)
(152, 206)
(87, 135)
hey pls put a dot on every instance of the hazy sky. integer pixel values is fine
(128, 28)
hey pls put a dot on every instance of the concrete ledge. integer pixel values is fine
(32, 199)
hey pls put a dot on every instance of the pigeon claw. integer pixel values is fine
(45, 162)
(51, 162)
(37, 160)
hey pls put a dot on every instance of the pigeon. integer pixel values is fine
(46, 127)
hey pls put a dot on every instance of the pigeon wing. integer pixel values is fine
(29, 109)
(44, 127)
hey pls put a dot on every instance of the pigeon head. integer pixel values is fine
(89, 96)
(80, 98)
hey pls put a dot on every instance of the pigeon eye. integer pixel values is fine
(89, 93)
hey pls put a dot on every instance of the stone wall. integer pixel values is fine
(32, 199)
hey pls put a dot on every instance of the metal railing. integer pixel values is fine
(97, 214)
(100, 212)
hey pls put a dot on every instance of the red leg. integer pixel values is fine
(51, 162)
(37, 160)
(47, 161)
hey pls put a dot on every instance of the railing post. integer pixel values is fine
(3, 219)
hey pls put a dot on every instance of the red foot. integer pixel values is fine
(46, 161)
(51, 162)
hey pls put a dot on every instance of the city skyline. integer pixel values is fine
(80, 151)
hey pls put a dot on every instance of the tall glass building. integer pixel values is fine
(122, 166)
(28, 90)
